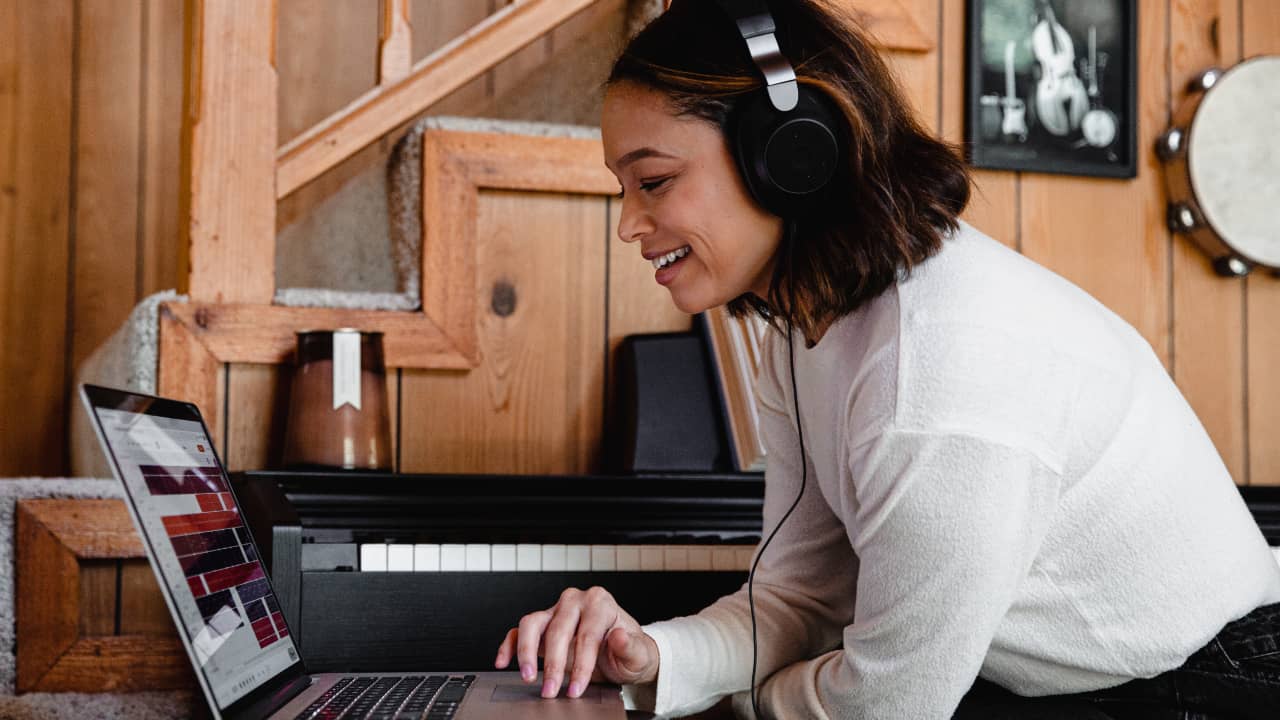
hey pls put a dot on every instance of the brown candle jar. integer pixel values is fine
(338, 414)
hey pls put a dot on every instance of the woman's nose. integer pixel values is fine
(634, 222)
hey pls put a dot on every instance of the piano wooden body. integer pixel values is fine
(411, 572)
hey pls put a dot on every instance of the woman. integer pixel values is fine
(984, 494)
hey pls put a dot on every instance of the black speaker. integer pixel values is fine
(667, 417)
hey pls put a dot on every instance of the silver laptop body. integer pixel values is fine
(225, 609)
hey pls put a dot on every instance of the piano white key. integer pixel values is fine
(699, 557)
(676, 557)
(577, 557)
(426, 558)
(724, 558)
(478, 559)
(400, 558)
(628, 557)
(651, 557)
(373, 557)
(554, 557)
(528, 557)
(453, 558)
(745, 556)
(603, 557)
(503, 558)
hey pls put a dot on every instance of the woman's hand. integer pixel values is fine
(585, 633)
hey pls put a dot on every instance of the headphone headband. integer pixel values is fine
(757, 28)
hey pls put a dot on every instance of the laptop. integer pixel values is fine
(227, 615)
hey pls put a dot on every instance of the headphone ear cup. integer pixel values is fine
(786, 159)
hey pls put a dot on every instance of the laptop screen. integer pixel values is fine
(198, 541)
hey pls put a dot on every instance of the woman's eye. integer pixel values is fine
(653, 184)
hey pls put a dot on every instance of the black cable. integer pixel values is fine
(804, 472)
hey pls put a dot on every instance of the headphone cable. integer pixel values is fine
(804, 468)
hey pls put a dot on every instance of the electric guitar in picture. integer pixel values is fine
(1013, 123)
(1061, 100)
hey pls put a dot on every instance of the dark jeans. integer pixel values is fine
(1237, 675)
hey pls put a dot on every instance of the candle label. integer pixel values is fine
(346, 370)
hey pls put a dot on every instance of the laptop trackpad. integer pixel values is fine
(523, 693)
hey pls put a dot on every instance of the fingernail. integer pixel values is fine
(575, 689)
(549, 689)
(526, 672)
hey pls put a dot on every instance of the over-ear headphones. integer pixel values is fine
(785, 139)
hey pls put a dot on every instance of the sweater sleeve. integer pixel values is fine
(947, 527)
(804, 590)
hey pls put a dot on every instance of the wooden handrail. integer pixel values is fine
(380, 110)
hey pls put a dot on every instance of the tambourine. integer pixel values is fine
(1222, 172)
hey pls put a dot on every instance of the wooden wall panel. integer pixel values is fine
(919, 73)
(162, 259)
(993, 205)
(1108, 236)
(326, 56)
(34, 249)
(535, 403)
(436, 23)
(1260, 34)
(105, 264)
(1207, 360)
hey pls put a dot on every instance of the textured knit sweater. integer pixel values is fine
(1002, 481)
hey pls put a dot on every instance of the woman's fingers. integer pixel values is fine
(599, 614)
(557, 639)
(528, 640)
(505, 650)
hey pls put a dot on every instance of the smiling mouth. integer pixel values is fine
(670, 258)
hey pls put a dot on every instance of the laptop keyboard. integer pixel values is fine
(436, 697)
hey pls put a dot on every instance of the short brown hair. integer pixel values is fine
(900, 191)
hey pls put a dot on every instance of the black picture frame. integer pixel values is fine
(1055, 135)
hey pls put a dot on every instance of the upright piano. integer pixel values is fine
(383, 572)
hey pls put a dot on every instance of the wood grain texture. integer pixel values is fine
(267, 333)
(62, 549)
(896, 25)
(1109, 236)
(98, 581)
(383, 108)
(993, 202)
(163, 259)
(326, 56)
(34, 251)
(47, 605)
(918, 72)
(1208, 310)
(120, 663)
(395, 43)
(142, 607)
(229, 137)
(189, 372)
(259, 396)
(534, 404)
(435, 24)
(1260, 20)
(109, 91)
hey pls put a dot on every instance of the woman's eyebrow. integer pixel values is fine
(638, 154)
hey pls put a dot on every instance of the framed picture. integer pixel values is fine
(1052, 86)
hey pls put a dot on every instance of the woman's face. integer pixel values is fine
(682, 194)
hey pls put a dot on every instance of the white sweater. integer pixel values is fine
(1003, 482)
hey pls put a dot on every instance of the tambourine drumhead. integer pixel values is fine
(1233, 156)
